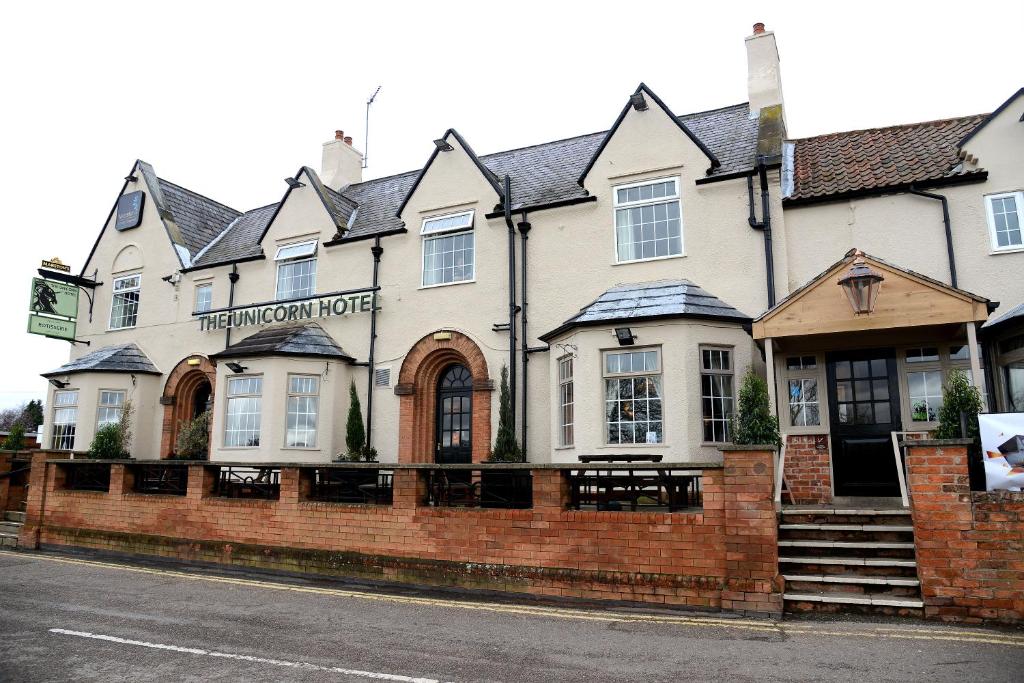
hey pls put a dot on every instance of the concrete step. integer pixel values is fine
(8, 540)
(859, 545)
(854, 579)
(855, 599)
(10, 528)
(847, 527)
(18, 517)
(893, 587)
(863, 561)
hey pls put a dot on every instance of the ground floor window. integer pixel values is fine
(65, 419)
(242, 426)
(566, 401)
(803, 403)
(925, 390)
(716, 393)
(927, 369)
(633, 397)
(303, 411)
(110, 406)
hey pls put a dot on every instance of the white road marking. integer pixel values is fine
(246, 658)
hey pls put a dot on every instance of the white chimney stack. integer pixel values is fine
(764, 79)
(342, 164)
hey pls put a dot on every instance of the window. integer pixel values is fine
(124, 307)
(110, 406)
(647, 222)
(803, 403)
(296, 270)
(565, 401)
(925, 395)
(801, 363)
(1004, 219)
(449, 249)
(633, 410)
(204, 298)
(927, 370)
(716, 393)
(65, 419)
(303, 410)
(242, 427)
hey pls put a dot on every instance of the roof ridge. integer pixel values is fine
(708, 111)
(890, 127)
(541, 144)
(198, 194)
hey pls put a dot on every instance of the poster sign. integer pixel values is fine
(1002, 442)
(129, 210)
(51, 327)
(53, 298)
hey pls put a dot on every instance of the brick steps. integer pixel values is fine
(10, 527)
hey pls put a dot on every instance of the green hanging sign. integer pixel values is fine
(51, 327)
(53, 298)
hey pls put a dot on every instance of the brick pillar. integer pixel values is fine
(290, 486)
(200, 482)
(40, 480)
(550, 489)
(118, 484)
(752, 582)
(5, 483)
(409, 488)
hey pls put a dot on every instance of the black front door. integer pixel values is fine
(864, 407)
(454, 415)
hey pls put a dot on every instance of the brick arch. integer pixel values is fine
(417, 386)
(179, 394)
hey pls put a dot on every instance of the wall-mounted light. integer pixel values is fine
(442, 145)
(861, 285)
(294, 184)
(236, 367)
(57, 383)
(625, 336)
(131, 178)
(638, 101)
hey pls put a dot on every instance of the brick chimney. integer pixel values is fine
(342, 164)
(764, 79)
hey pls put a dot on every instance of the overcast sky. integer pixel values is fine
(229, 98)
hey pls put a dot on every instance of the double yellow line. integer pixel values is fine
(909, 632)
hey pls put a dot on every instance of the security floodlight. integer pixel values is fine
(442, 145)
(638, 101)
(625, 336)
(236, 368)
(293, 183)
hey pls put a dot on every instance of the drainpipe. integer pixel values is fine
(524, 233)
(764, 226)
(377, 251)
(949, 231)
(232, 278)
(511, 300)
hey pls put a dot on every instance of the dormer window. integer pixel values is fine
(296, 270)
(647, 220)
(448, 249)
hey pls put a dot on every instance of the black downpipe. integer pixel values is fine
(764, 226)
(524, 233)
(232, 278)
(949, 230)
(376, 250)
(511, 301)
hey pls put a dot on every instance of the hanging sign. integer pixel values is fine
(268, 314)
(53, 298)
(129, 210)
(56, 264)
(51, 327)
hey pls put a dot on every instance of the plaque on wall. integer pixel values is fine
(129, 210)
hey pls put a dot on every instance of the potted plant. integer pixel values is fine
(958, 419)
(193, 440)
(505, 488)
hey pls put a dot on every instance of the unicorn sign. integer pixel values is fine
(50, 297)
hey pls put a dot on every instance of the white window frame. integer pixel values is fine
(803, 372)
(117, 407)
(612, 375)
(115, 292)
(731, 373)
(315, 395)
(207, 286)
(244, 395)
(943, 365)
(430, 235)
(617, 205)
(284, 257)
(567, 408)
(57, 407)
(1018, 198)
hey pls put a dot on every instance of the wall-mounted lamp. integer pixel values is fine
(442, 145)
(861, 285)
(236, 367)
(294, 184)
(625, 336)
(57, 383)
(131, 178)
(638, 101)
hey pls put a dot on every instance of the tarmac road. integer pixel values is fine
(88, 617)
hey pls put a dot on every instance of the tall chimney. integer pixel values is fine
(342, 164)
(764, 79)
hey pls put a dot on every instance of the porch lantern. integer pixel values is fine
(861, 285)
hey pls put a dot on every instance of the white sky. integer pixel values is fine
(229, 98)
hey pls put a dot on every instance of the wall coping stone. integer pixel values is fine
(938, 442)
(648, 466)
(725, 448)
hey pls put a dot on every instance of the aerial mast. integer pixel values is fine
(366, 140)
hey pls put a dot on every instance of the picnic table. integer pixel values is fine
(610, 487)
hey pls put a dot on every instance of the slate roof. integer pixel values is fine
(117, 358)
(1014, 314)
(200, 219)
(302, 339)
(239, 240)
(650, 300)
(840, 163)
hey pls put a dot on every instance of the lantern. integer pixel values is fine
(861, 285)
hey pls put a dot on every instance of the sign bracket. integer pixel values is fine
(87, 284)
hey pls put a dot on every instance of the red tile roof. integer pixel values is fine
(839, 163)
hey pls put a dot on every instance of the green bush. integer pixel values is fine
(193, 440)
(961, 397)
(506, 448)
(753, 422)
(108, 444)
(15, 440)
(355, 434)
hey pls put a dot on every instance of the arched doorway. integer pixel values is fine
(454, 415)
(188, 393)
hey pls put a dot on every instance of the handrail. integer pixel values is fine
(4, 475)
(779, 471)
(900, 474)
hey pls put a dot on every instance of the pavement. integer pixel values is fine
(88, 617)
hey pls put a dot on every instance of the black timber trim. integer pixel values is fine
(92, 252)
(79, 371)
(999, 110)
(548, 205)
(489, 176)
(249, 353)
(962, 179)
(366, 236)
(217, 264)
(738, 174)
(317, 187)
(715, 163)
(619, 322)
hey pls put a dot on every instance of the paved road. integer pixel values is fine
(76, 617)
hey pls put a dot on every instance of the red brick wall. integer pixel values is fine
(808, 469)
(723, 557)
(970, 545)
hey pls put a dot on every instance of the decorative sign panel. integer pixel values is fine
(56, 264)
(51, 327)
(129, 210)
(53, 298)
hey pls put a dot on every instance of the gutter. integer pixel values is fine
(765, 225)
(377, 251)
(945, 222)
(512, 308)
(524, 233)
(232, 278)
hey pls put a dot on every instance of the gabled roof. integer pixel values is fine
(200, 219)
(303, 339)
(116, 358)
(643, 89)
(338, 207)
(650, 301)
(837, 165)
(239, 241)
(999, 110)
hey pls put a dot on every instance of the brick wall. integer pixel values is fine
(970, 545)
(723, 557)
(808, 469)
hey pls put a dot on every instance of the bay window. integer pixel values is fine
(303, 411)
(716, 393)
(65, 420)
(647, 220)
(109, 409)
(244, 402)
(633, 397)
(566, 402)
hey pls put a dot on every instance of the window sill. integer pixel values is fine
(648, 260)
(1007, 250)
(564, 448)
(448, 284)
(238, 448)
(634, 445)
(300, 448)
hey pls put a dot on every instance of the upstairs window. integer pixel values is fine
(633, 398)
(647, 220)
(1004, 219)
(124, 306)
(204, 298)
(109, 409)
(296, 270)
(65, 420)
(449, 249)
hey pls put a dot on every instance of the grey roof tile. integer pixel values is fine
(303, 339)
(116, 358)
(240, 239)
(200, 219)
